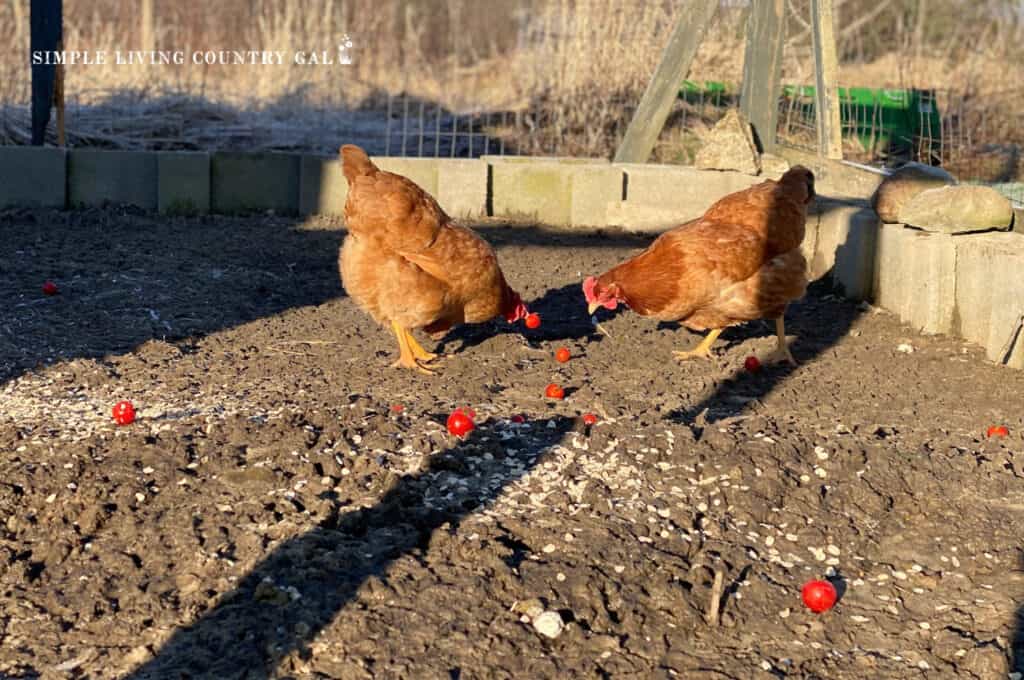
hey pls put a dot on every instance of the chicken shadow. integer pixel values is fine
(280, 606)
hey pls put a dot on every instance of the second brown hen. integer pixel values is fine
(739, 262)
(407, 264)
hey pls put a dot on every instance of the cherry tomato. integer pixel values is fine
(589, 418)
(553, 391)
(518, 419)
(819, 596)
(460, 424)
(50, 288)
(533, 320)
(124, 413)
(998, 431)
(752, 364)
(562, 355)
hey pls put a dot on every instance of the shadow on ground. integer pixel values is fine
(286, 600)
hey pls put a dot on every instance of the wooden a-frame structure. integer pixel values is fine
(762, 70)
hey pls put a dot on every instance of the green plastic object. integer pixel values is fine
(885, 122)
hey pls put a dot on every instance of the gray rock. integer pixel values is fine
(772, 165)
(907, 182)
(957, 210)
(730, 146)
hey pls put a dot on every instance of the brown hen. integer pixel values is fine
(739, 262)
(408, 265)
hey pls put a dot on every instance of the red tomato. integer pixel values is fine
(397, 408)
(819, 596)
(553, 391)
(460, 424)
(998, 431)
(562, 355)
(50, 288)
(752, 364)
(589, 418)
(533, 320)
(517, 419)
(124, 413)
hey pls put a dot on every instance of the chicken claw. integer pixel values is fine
(701, 351)
(411, 355)
(781, 352)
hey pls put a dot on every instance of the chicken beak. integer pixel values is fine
(592, 307)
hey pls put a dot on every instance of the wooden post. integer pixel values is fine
(148, 28)
(58, 100)
(46, 20)
(826, 70)
(662, 91)
(762, 69)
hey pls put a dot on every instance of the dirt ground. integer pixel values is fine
(286, 505)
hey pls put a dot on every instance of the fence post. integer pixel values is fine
(663, 89)
(762, 69)
(46, 24)
(826, 71)
(148, 28)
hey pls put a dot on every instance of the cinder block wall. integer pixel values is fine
(968, 285)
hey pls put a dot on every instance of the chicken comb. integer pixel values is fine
(589, 284)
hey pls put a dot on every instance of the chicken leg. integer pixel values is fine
(703, 350)
(411, 355)
(781, 352)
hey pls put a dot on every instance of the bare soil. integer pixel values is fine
(286, 505)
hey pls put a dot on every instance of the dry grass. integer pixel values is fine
(577, 66)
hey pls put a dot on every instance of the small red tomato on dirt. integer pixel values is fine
(562, 355)
(124, 413)
(553, 391)
(819, 596)
(397, 408)
(518, 419)
(49, 288)
(460, 424)
(998, 431)
(752, 364)
(533, 320)
(589, 418)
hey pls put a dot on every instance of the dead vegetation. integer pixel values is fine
(572, 69)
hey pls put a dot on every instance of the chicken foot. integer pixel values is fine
(781, 352)
(411, 355)
(703, 350)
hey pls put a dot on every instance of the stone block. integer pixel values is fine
(247, 182)
(594, 187)
(183, 182)
(323, 189)
(33, 176)
(116, 177)
(540, 191)
(462, 187)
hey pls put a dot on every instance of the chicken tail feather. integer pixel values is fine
(355, 162)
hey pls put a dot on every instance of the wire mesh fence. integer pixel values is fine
(977, 139)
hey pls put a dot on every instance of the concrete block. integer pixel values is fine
(564, 160)
(538, 191)
(183, 182)
(462, 187)
(33, 176)
(594, 187)
(422, 171)
(974, 284)
(1006, 338)
(854, 269)
(893, 264)
(322, 186)
(685, 193)
(637, 217)
(932, 308)
(119, 177)
(246, 182)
